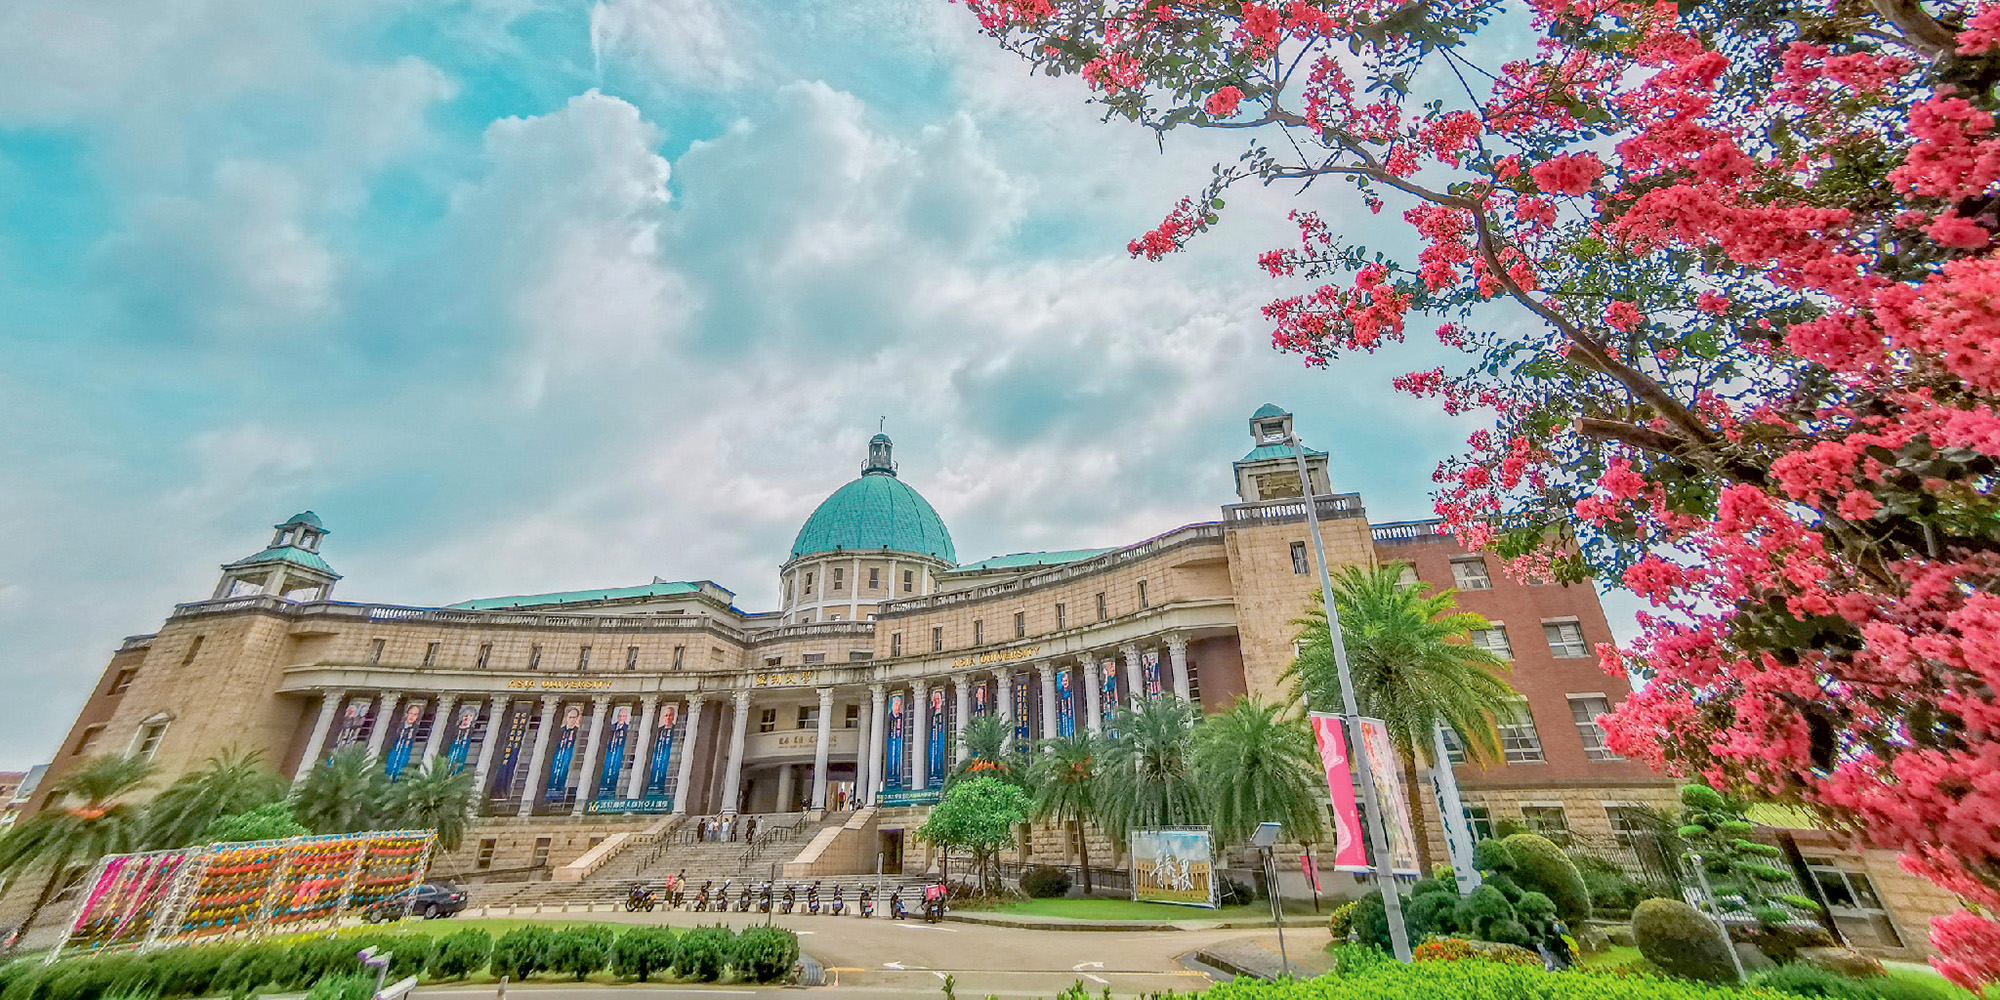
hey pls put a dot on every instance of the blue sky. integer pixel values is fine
(529, 296)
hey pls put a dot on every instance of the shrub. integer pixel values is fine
(1473, 980)
(1541, 866)
(1044, 882)
(642, 951)
(1783, 942)
(1443, 949)
(522, 952)
(184, 972)
(354, 987)
(1354, 959)
(1803, 980)
(580, 951)
(462, 954)
(242, 974)
(765, 953)
(1893, 988)
(701, 953)
(1681, 940)
(1340, 921)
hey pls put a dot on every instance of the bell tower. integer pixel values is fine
(290, 567)
(1270, 471)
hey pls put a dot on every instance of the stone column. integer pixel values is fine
(878, 721)
(1093, 716)
(440, 724)
(684, 775)
(825, 747)
(1048, 672)
(1003, 702)
(961, 689)
(787, 782)
(1133, 675)
(1177, 653)
(539, 756)
(863, 767)
(495, 709)
(385, 720)
(329, 706)
(642, 752)
(732, 776)
(586, 786)
(920, 714)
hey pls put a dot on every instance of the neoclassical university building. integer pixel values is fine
(593, 711)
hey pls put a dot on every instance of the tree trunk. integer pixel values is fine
(42, 898)
(1083, 853)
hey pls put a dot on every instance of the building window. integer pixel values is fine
(631, 657)
(839, 578)
(809, 585)
(937, 638)
(123, 682)
(485, 654)
(431, 655)
(767, 721)
(834, 616)
(1020, 624)
(859, 656)
(1493, 640)
(375, 650)
(851, 717)
(534, 657)
(1565, 640)
(1470, 574)
(1584, 709)
(1454, 746)
(1407, 576)
(895, 644)
(1480, 820)
(150, 736)
(1103, 609)
(788, 590)
(874, 578)
(541, 856)
(1143, 603)
(1549, 821)
(1854, 902)
(194, 649)
(680, 656)
(815, 658)
(1630, 825)
(1062, 617)
(87, 740)
(583, 658)
(978, 632)
(1519, 740)
(1300, 564)
(808, 717)
(909, 581)
(485, 858)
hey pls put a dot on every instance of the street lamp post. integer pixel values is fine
(1378, 833)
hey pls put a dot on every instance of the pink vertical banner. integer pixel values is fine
(1349, 852)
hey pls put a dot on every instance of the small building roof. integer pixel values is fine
(1268, 410)
(1022, 560)
(288, 554)
(674, 589)
(1266, 452)
(307, 518)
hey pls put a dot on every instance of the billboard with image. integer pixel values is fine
(1174, 866)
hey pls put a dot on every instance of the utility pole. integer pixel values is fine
(1378, 833)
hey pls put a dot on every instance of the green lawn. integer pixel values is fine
(1125, 909)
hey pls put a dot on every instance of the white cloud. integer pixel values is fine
(691, 43)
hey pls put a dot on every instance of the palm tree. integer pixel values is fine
(67, 833)
(432, 796)
(228, 783)
(344, 794)
(1257, 767)
(1064, 783)
(985, 740)
(1148, 777)
(1412, 665)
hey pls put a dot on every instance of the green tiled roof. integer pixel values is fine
(1269, 451)
(1267, 410)
(1019, 560)
(291, 554)
(877, 511)
(579, 596)
(303, 517)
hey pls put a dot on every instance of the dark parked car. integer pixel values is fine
(428, 900)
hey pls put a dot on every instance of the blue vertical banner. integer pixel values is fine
(510, 745)
(1022, 711)
(1108, 696)
(663, 751)
(352, 719)
(937, 741)
(1066, 702)
(982, 700)
(398, 756)
(614, 753)
(892, 751)
(564, 753)
(460, 746)
(1149, 669)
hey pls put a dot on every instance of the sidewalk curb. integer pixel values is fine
(1044, 924)
(1210, 958)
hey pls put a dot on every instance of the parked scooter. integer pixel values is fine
(640, 898)
(934, 903)
(702, 899)
(812, 899)
(866, 904)
(722, 896)
(896, 911)
(743, 901)
(764, 899)
(789, 899)
(839, 904)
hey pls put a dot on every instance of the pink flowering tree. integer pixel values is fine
(1725, 277)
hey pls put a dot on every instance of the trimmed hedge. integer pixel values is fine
(1470, 978)
(642, 951)
(1540, 866)
(1682, 940)
(462, 954)
(580, 951)
(522, 952)
(700, 954)
(1044, 882)
(765, 953)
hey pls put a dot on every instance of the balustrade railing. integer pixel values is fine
(1192, 534)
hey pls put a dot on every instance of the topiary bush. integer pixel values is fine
(580, 951)
(1682, 940)
(1803, 980)
(700, 954)
(765, 953)
(1539, 865)
(522, 952)
(642, 951)
(1340, 921)
(462, 954)
(1044, 882)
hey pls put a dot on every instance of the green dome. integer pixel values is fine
(877, 511)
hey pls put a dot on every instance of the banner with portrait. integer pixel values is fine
(893, 751)
(353, 719)
(398, 756)
(614, 753)
(1108, 696)
(563, 754)
(1387, 770)
(935, 772)
(510, 746)
(982, 699)
(1022, 711)
(1350, 852)
(464, 721)
(1149, 671)
(1066, 702)
(1174, 866)
(663, 751)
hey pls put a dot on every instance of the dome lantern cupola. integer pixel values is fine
(874, 539)
(878, 457)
